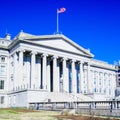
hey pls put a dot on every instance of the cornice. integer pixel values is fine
(60, 36)
(102, 64)
(4, 47)
(52, 48)
(13, 43)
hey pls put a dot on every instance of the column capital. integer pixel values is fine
(82, 62)
(73, 60)
(20, 50)
(33, 52)
(88, 63)
(78, 62)
(44, 54)
(64, 59)
(54, 57)
(14, 53)
(60, 59)
(70, 61)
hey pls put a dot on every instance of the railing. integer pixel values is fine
(107, 108)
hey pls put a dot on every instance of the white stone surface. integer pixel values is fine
(38, 68)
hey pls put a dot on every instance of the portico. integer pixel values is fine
(46, 71)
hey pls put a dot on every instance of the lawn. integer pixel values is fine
(24, 114)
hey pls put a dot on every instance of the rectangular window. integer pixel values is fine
(2, 100)
(94, 81)
(1, 84)
(2, 59)
(119, 83)
(105, 91)
(2, 70)
(11, 77)
(95, 90)
(100, 90)
(3, 42)
(109, 91)
(118, 75)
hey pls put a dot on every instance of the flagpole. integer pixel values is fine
(57, 22)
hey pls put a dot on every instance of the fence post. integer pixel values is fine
(111, 106)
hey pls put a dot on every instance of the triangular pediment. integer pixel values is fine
(60, 44)
(57, 41)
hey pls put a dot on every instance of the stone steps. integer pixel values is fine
(65, 97)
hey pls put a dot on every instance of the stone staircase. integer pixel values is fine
(66, 97)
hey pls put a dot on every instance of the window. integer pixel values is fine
(11, 77)
(109, 91)
(94, 81)
(84, 91)
(118, 75)
(2, 70)
(105, 91)
(100, 90)
(2, 42)
(95, 90)
(1, 84)
(2, 100)
(2, 59)
(99, 82)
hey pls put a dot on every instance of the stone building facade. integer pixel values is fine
(51, 67)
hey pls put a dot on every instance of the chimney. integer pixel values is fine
(8, 36)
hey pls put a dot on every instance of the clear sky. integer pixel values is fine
(93, 24)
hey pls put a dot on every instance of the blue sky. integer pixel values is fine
(93, 24)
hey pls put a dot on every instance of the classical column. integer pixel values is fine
(55, 75)
(15, 71)
(20, 67)
(65, 77)
(48, 75)
(74, 81)
(44, 69)
(58, 75)
(88, 78)
(32, 82)
(81, 74)
(38, 72)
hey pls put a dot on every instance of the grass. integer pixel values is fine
(24, 114)
(8, 114)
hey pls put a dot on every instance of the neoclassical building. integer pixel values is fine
(51, 67)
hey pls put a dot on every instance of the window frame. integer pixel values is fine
(2, 99)
(2, 84)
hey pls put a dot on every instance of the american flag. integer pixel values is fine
(61, 10)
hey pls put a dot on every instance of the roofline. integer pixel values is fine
(29, 42)
(57, 36)
(4, 47)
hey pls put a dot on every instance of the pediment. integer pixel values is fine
(57, 41)
(60, 42)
